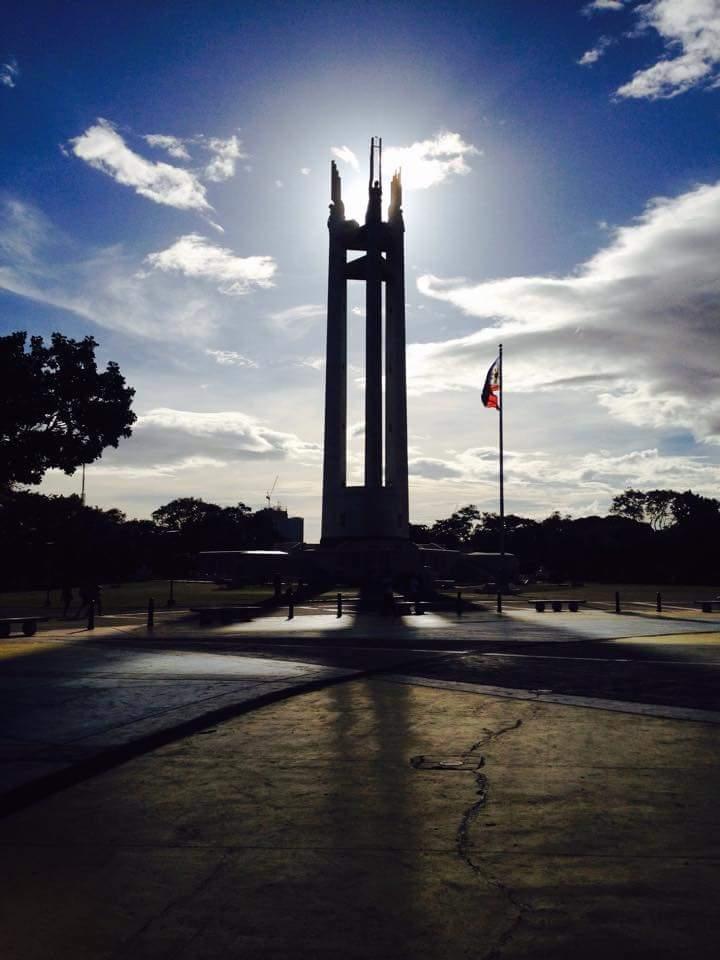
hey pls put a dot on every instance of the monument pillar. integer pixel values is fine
(335, 450)
(373, 347)
(396, 440)
(377, 510)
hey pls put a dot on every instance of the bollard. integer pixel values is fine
(458, 603)
(91, 615)
(617, 601)
(151, 614)
(499, 602)
(339, 605)
(658, 603)
(171, 595)
(291, 608)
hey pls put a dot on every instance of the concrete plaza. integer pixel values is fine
(530, 786)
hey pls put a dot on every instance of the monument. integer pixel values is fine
(365, 538)
(379, 507)
(366, 526)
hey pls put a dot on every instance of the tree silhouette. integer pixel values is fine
(57, 411)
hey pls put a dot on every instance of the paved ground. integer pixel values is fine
(68, 696)
(63, 703)
(490, 787)
(373, 820)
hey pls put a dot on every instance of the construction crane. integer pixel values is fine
(269, 493)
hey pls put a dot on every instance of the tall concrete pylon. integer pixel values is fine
(379, 508)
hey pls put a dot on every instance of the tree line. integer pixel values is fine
(51, 540)
(58, 410)
(654, 536)
(657, 536)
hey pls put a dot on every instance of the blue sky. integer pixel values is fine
(164, 187)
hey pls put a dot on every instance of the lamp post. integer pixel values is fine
(173, 534)
(48, 570)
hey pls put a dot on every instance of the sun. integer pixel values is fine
(355, 196)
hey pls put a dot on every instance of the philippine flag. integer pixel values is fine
(491, 390)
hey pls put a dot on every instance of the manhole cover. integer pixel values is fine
(446, 763)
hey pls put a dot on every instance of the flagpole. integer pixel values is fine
(502, 472)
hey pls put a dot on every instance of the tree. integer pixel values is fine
(420, 533)
(630, 504)
(691, 509)
(185, 512)
(663, 509)
(659, 508)
(208, 526)
(456, 530)
(57, 410)
(51, 539)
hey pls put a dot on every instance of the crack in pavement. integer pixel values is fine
(491, 735)
(462, 843)
(181, 898)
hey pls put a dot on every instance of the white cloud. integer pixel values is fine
(636, 325)
(424, 164)
(170, 438)
(153, 471)
(432, 468)
(226, 154)
(229, 358)
(315, 363)
(598, 6)
(9, 73)
(346, 155)
(41, 263)
(23, 230)
(429, 162)
(194, 256)
(174, 145)
(538, 482)
(103, 148)
(305, 171)
(296, 321)
(593, 55)
(690, 31)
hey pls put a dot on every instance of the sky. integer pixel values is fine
(164, 187)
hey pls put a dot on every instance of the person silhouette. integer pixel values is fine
(66, 595)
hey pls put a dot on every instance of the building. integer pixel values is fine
(287, 529)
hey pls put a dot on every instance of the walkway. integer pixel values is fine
(377, 820)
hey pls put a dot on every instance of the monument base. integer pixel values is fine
(365, 561)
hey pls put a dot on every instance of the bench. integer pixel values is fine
(707, 606)
(404, 608)
(226, 614)
(557, 605)
(29, 625)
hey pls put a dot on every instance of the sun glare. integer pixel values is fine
(355, 196)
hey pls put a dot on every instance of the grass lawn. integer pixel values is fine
(131, 597)
(119, 598)
(629, 592)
